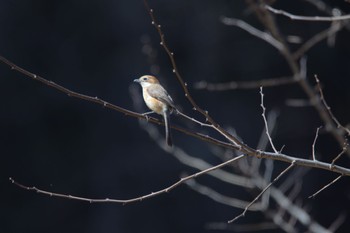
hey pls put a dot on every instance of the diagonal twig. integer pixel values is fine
(220, 198)
(314, 143)
(317, 38)
(328, 108)
(125, 201)
(262, 192)
(326, 186)
(252, 30)
(345, 148)
(265, 121)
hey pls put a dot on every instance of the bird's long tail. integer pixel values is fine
(167, 128)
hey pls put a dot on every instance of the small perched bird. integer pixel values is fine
(158, 100)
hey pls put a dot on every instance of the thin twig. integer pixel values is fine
(291, 180)
(220, 198)
(345, 148)
(126, 201)
(317, 38)
(262, 192)
(264, 141)
(326, 186)
(193, 119)
(298, 103)
(234, 85)
(328, 9)
(314, 143)
(306, 18)
(296, 211)
(321, 6)
(329, 108)
(337, 223)
(279, 221)
(265, 121)
(253, 227)
(252, 30)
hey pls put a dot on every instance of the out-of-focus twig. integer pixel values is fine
(262, 192)
(306, 18)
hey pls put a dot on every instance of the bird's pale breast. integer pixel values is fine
(154, 104)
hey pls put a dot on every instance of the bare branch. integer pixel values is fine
(234, 85)
(126, 201)
(278, 220)
(234, 141)
(242, 147)
(263, 143)
(292, 179)
(220, 198)
(253, 227)
(297, 103)
(277, 195)
(262, 192)
(284, 202)
(296, 212)
(106, 104)
(316, 39)
(252, 30)
(328, 9)
(314, 143)
(265, 17)
(329, 109)
(265, 121)
(345, 148)
(298, 74)
(321, 6)
(306, 18)
(326, 186)
(337, 223)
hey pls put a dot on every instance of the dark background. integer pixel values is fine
(67, 145)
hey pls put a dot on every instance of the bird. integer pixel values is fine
(158, 100)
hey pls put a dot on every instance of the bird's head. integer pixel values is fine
(147, 80)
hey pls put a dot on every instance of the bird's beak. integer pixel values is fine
(136, 80)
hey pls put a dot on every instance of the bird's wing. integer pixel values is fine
(158, 92)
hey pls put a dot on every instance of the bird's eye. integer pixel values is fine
(145, 79)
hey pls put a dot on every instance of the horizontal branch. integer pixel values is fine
(255, 84)
(305, 162)
(307, 18)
